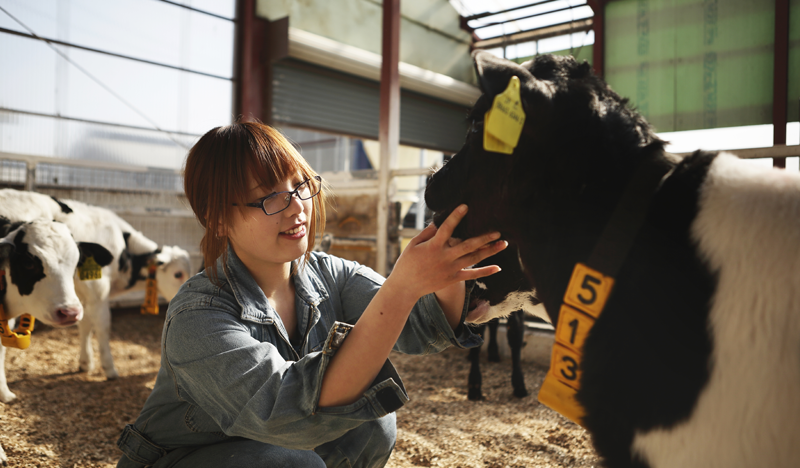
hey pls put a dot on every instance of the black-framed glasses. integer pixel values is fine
(274, 203)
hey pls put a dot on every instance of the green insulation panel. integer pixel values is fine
(694, 64)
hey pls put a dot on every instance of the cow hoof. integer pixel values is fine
(475, 395)
(8, 397)
(113, 375)
(86, 367)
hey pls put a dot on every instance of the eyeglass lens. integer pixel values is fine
(280, 201)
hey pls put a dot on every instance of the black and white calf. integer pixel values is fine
(38, 260)
(695, 360)
(131, 252)
(504, 294)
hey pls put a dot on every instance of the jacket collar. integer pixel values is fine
(255, 306)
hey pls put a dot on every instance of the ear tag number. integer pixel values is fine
(588, 290)
(90, 270)
(573, 328)
(150, 305)
(565, 365)
(504, 121)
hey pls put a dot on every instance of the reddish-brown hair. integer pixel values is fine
(217, 175)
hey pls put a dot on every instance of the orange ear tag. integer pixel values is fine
(20, 338)
(150, 305)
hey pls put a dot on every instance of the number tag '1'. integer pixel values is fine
(573, 328)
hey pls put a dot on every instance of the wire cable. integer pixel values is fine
(96, 80)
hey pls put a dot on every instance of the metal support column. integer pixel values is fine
(30, 175)
(780, 91)
(389, 132)
(599, 26)
(259, 43)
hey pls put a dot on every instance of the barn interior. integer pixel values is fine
(100, 102)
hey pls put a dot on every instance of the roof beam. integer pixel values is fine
(536, 34)
(492, 13)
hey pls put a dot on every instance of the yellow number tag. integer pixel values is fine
(561, 398)
(90, 270)
(573, 328)
(505, 119)
(565, 366)
(588, 290)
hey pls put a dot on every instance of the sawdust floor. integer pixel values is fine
(66, 419)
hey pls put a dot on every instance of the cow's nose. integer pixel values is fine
(69, 315)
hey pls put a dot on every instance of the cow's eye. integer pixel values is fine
(179, 275)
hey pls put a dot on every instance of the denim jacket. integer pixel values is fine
(229, 370)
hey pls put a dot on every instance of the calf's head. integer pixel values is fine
(571, 118)
(575, 148)
(173, 267)
(39, 259)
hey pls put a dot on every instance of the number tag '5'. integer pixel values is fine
(588, 290)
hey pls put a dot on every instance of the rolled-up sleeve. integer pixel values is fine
(248, 390)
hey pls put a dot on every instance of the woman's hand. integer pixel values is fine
(431, 262)
(434, 260)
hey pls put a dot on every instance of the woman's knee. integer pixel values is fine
(240, 454)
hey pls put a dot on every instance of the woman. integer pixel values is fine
(276, 355)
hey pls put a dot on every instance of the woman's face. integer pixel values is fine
(259, 239)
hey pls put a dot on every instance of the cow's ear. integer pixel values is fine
(101, 255)
(7, 245)
(494, 72)
(5, 225)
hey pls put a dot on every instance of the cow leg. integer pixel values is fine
(103, 329)
(516, 336)
(85, 326)
(6, 395)
(3, 457)
(493, 350)
(474, 382)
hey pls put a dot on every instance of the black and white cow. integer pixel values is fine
(39, 259)
(131, 252)
(695, 360)
(504, 294)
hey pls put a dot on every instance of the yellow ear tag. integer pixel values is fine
(150, 305)
(504, 121)
(90, 270)
(20, 337)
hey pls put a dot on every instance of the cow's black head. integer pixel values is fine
(572, 117)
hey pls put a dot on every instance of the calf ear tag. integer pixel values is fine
(90, 270)
(150, 305)
(504, 121)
